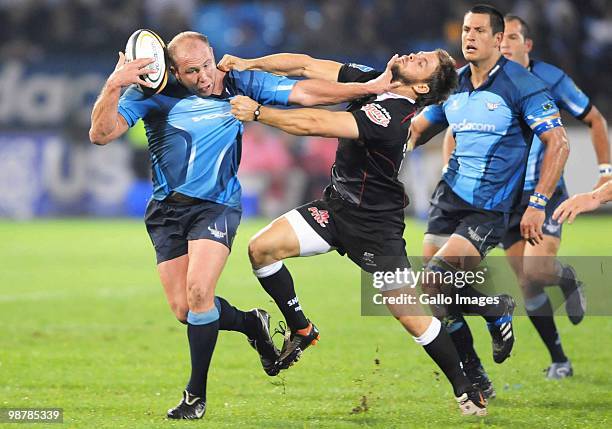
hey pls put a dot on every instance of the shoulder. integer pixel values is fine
(353, 72)
(521, 81)
(547, 72)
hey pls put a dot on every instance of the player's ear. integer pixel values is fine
(498, 39)
(421, 88)
(529, 45)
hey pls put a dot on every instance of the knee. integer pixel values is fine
(261, 252)
(180, 311)
(199, 295)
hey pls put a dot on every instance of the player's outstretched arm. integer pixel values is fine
(298, 65)
(599, 136)
(448, 146)
(422, 130)
(579, 203)
(106, 123)
(555, 155)
(299, 122)
(314, 92)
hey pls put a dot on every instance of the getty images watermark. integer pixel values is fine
(493, 277)
(400, 278)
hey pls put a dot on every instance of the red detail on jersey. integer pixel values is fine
(408, 116)
(365, 176)
(320, 216)
(377, 114)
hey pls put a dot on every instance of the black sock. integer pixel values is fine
(280, 287)
(202, 340)
(489, 311)
(443, 353)
(232, 319)
(541, 314)
(460, 333)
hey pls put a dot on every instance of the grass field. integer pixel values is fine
(84, 326)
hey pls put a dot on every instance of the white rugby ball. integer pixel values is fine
(147, 44)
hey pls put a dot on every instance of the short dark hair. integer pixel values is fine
(441, 82)
(525, 30)
(495, 16)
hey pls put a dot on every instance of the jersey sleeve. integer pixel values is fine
(434, 113)
(266, 88)
(352, 72)
(133, 105)
(378, 123)
(571, 98)
(540, 112)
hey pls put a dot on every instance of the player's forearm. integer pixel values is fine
(104, 114)
(555, 156)
(448, 146)
(299, 122)
(603, 193)
(281, 64)
(421, 131)
(314, 92)
(599, 136)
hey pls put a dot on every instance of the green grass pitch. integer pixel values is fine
(84, 326)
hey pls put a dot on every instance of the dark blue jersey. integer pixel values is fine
(195, 142)
(568, 97)
(493, 127)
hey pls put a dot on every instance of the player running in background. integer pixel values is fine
(192, 218)
(580, 203)
(493, 115)
(362, 211)
(536, 266)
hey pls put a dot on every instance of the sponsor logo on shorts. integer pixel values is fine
(551, 226)
(377, 114)
(474, 235)
(368, 258)
(320, 216)
(216, 233)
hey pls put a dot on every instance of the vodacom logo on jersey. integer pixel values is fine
(473, 126)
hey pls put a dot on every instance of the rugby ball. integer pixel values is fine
(147, 44)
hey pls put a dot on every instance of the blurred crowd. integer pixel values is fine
(574, 34)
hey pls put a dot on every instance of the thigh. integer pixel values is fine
(483, 229)
(315, 226)
(214, 222)
(173, 276)
(165, 224)
(206, 261)
(460, 252)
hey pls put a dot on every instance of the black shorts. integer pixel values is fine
(371, 239)
(450, 214)
(551, 227)
(171, 225)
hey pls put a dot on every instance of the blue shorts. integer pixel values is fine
(551, 227)
(172, 224)
(449, 214)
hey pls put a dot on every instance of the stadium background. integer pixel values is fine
(83, 322)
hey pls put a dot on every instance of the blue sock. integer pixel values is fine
(202, 332)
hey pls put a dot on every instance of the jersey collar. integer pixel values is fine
(390, 95)
(492, 74)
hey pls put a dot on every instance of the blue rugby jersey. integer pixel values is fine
(493, 127)
(568, 97)
(195, 142)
